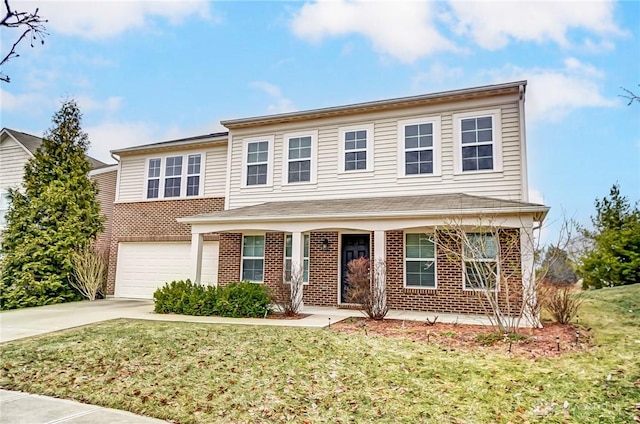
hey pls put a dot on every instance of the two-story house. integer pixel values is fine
(16, 148)
(318, 188)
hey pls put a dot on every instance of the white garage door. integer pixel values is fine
(143, 267)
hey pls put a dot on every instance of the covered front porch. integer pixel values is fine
(261, 242)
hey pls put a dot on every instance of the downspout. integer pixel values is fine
(523, 146)
(119, 172)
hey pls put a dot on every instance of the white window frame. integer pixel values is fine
(436, 122)
(306, 240)
(496, 115)
(495, 260)
(369, 152)
(434, 260)
(269, 163)
(243, 257)
(314, 157)
(183, 176)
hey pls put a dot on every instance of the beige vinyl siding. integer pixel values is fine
(133, 173)
(12, 160)
(385, 180)
(106, 195)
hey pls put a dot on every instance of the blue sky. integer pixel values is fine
(151, 71)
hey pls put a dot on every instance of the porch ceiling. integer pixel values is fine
(373, 207)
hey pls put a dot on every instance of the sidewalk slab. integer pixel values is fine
(24, 408)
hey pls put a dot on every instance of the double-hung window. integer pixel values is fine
(174, 176)
(420, 260)
(480, 259)
(478, 141)
(253, 258)
(287, 258)
(419, 147)
(356, 149)
(299, 159)
(257, 162)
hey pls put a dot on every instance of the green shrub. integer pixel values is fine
(243, 299)
(237, 300)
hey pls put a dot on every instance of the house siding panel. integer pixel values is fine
(106, 195)
(12, 160)
(384, 180)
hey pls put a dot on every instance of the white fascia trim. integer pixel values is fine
(524, 177)
(285, 157)
(496, 114)
(437, 145)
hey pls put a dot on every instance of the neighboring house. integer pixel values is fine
(16, 148)
(318, 188)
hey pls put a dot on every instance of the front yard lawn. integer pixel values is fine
(202, 373)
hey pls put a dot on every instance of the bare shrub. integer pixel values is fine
(89, 274)
(368, 292)
(287, 296)
(563, 303)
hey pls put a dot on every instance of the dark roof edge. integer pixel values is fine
(230, 123)
(178, 142)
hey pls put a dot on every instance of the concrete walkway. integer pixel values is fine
(20, 323)
(24, 408)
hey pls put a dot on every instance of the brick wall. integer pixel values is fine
(322, 289)
(449, 297)
(229, 258)
(154, 221)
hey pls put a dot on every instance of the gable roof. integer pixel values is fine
(32, 143)
(516, 87)
(373, 207)
(173, 144)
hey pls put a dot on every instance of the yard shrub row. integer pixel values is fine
(238, 300)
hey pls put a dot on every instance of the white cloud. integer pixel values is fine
(437, 75)
(281, 103)
(554, 93)
(492, 25)
(404, 30)
(89, 104)
(107, 18)
(108, 136)
(25, 102)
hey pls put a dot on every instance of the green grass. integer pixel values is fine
(200, 373)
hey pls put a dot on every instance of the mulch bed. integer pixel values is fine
(274, 315)
(538, 342)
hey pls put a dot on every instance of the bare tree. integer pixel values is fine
(31, 26)
(631, 96)
(288, 294)
(368, 287)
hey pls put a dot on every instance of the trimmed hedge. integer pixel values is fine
(237, 300)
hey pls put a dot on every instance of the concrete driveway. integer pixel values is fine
(16, 324)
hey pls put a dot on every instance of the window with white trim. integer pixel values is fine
(420, 260)
(287, 258)
(169, 177)
(153, 178)
(476, 138)
(253, 258)
(299, 157)
(355, 150)
(480, 259)
(257, 163)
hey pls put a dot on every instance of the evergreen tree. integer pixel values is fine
(557, 267)
(55, 213)
(613, 257)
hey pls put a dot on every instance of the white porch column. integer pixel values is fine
(197, 241)
(297, 267)
(529, 294)
(380, 268)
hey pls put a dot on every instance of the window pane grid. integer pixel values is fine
(253, 258)
(418, 144)
(477, 143)
(480, 254)
(355, 147)
(257, 162)
(420, 261)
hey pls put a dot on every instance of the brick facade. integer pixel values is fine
(154, 221)
(324, 275)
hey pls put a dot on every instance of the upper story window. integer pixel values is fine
(168, 177)
(419, 142)
(299, 156)
(356, 149)
(420, 261)
(480, 259)
(478, 141)
(257, 162)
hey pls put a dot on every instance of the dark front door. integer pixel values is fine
(353, 246)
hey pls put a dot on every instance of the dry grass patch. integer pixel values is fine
(203, 373)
